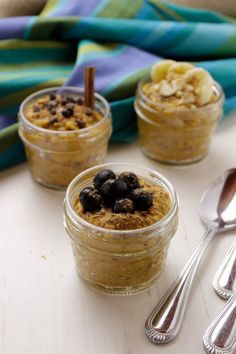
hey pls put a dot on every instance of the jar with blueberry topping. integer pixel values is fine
(120, 219)
(63, 137)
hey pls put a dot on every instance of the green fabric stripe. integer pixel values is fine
(12, 156)
(13, 56)
(45, 73)
(46, 27)
(119, 9)
(226, 47)
(8, 136)
(34, 66)
(49, 6)
(20, 95)
(23, 44)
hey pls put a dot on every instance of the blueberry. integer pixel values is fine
(123, 206)
(68, 112)
(90, 199)
(122, 189)
(142, 199)
(108, 192)
(102, 177)
(130, 179)
(80, 123)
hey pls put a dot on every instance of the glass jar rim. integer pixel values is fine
(62, 132)
(216, 86)
(132, 232)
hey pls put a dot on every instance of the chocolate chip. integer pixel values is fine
(63, 101)
(88, 111)
(52, 96)
(53, 112)
(51, 105)
(67, 112)
(80, 123)
(70, 99)
(36, 109)
(53, 120)
(79, 101)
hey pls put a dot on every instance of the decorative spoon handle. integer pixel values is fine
(224, 280)
(220, 336)
(164, 322)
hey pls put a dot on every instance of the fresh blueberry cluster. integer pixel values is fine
(122, 194)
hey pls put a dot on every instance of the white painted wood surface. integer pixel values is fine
(46, 309)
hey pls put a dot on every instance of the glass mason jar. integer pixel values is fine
(55, 156)
(119, 262)
(173, 135)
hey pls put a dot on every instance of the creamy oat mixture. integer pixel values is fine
(61, 112)
(127, 221)
(177, 110)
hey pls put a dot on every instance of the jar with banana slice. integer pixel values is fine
(178, 108)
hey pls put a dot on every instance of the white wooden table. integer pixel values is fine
(46, 309)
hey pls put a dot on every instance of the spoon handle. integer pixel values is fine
(164, 322)
(224, 279)
(220, 336)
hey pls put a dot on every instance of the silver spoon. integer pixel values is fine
(224, 281)
(220, 336)
(218, 213)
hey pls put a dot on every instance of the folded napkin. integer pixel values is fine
(122, 39)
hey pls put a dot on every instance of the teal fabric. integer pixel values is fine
(122, 39)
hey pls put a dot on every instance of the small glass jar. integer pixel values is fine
(173, 135)
(119, 262)
(55, 156)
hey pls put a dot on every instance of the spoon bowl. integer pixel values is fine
(218, 213)
(218, 203)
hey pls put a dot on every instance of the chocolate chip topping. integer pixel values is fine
(52, 96)
(80, 101)
(80, 123)
(36, 109)
(68, 112)
(53, 120)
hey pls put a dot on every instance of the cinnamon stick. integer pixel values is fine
(89, 74)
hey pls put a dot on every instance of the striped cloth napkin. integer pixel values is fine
(122, 39)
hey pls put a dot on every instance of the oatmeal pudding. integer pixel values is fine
(62, 136)
(120, 223)
(178, 108)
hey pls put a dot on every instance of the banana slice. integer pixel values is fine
(180, 68)
(160, 69)
(202, 82)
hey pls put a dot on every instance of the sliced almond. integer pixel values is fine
(166, 89)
